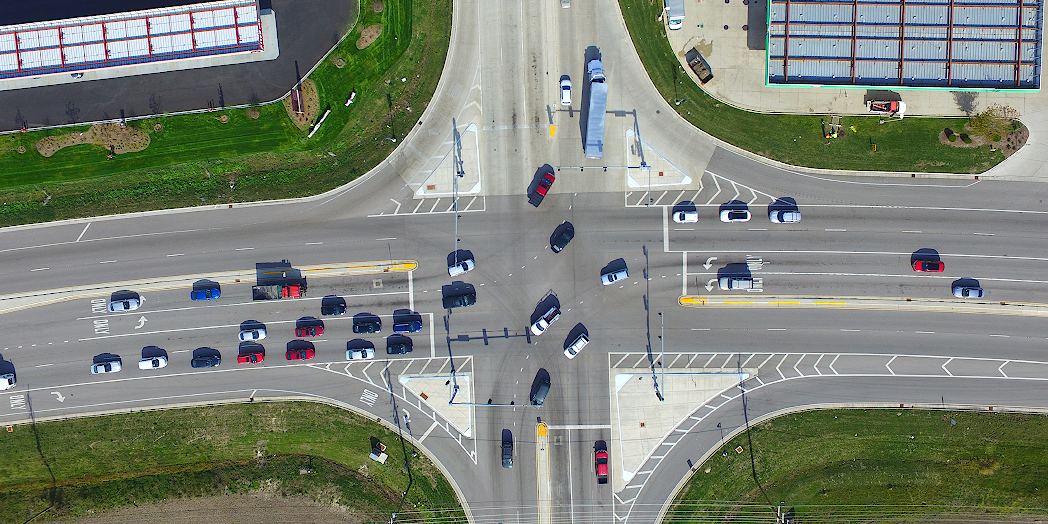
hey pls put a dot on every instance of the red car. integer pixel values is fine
(300, 354)
(251, 358)
(309, 331)
(540, 191)
(600, 460)
(928, 266)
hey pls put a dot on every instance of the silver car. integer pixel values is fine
(612, 277)
(248, 335)
(968, 292)
(110, 366)
(360, 354)
(784, 217)
(565, 91)
(735, 215)
(127, 304)
(463, 266)
(729, 283)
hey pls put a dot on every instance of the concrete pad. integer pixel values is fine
(436, 392)
(441, 167)
(658, 172)
(640, 421)
(544, 482)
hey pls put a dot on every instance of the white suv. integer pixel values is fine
(565, 91)
(576, 346)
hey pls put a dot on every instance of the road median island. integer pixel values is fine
(308, 455)
(927, 305)
(910, 145)
(242, 154)
(875, 465)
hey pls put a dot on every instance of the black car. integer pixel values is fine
(332, 305)
(366, 323)
(206, 361)
(398, 346)
(540, 388)
(561, 236)
(507, 448)
(464, 300)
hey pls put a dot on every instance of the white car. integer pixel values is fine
(968, 292)
(152, 363)
(542, 324)
(127, 304)
(686, 217)
(463, 266)
(7, 381)
(729, 283)
(565, 91)
(784, 217)
(111, 366)
(360, 353)
(735, 215)
(248, 335)
(612, 277)
(576, 346)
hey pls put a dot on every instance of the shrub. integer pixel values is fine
(966, 139)
(950, 135)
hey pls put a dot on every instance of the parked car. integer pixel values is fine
(968, 292)
(463, 266)
(300, 350)
(398, 346)
(366, 323)
(507, 448)
(107, 366)
(612, 276)
(576, 345)
(565, 91)
(600, 461)
(332, 305)
(928, 266)
(735, 215)
(249, 335)
(152, 362)
(784, 217)
(210, 360)
(562, 235)
(542, 324)
(360, 349)
(7, 381)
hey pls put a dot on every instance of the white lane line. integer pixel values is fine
(851, 330)
(835, 230)
(925, 332)
(985, 234)
(580, 426)
(911, 231)
(776, 329)
(244, 248)
(107, 261)
(39, 269)
(82, 232)
(758, 229)
(1002, 336)
(176, 255)
(386, 238)
(428, 431)
(44, 365)
(314, 243)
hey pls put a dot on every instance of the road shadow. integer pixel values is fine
(250, 325)
(105, 357)
(359, 343)
(123, 294)
(308, 322)
(756, 24)
(880, 95)
(734, 205)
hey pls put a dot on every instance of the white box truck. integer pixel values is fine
(674, 13)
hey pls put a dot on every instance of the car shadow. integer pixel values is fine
(153, 352)
(359, 343)
(684, 205)
(735, 269)
(459, 255)
(251, 347)
(6, 366)
(123, 294)
(248, 325)
(406, 315)
(205, 284)
(614, 265)
(734, 205)
(206, 352)
(105, 357)
(299, 344)
(965, 282)
(309, 322)
(544, 305)
(924, 253)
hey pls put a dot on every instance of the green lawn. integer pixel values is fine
(195, 159)
(119, 460)
(909, 145)
(866, 465)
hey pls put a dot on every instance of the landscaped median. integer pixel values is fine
(242, 154)
(911, 145)
(302, 453)
(882, 465)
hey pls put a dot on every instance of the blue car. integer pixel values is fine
(206, 294)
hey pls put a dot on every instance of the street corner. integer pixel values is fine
(648, 168)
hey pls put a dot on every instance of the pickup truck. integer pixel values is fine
(542, 324)
(277, 291)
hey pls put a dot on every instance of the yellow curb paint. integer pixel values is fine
(552, 131)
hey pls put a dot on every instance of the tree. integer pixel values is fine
(993, 122)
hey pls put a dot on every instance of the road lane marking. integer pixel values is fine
(835, 230)
(244, 248)
(39, 269)
(82, 232)
(428, 431)
(985, 234)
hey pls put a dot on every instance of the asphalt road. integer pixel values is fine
(857, 239)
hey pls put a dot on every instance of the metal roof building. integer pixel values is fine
(133, 37)
(976, 44)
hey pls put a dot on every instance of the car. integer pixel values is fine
(612, 276)
(600, 461)
(309, 331)
(106, 366)
(576, 345)
(463, 300)
(462, 266)
(7, 381)
(542, 324)
(968, 292)
(332, 305)
(545, 183)
(406, 321)
(784, 217)
(928, 266)
(360, 349)
(256, 356)
(507, 448)
(735, 215)
(540, 388)
(687, 216)
(729, 283)
(153, 362)
(565, 91)
(398, 346)
(126, 304)
(206, 360)
(561, 236)
(256, 333)
(210, 293)
(366, 323)
(300, 350)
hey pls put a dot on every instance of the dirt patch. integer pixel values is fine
(1008, 144)
(231, 509)
(310, 104)
(224, 119)
(252, 113)
(338, 61)
(158, 127)
(377, 6)
(369, 35)
(21, 149)
(115, 137)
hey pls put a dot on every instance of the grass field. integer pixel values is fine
(197, 159)
(857, 466)
(909, 145)
(120, 460)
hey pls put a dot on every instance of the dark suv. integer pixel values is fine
(332, 305)
(206, 361)
(507, 448)
(561, 236)
(366, 323)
